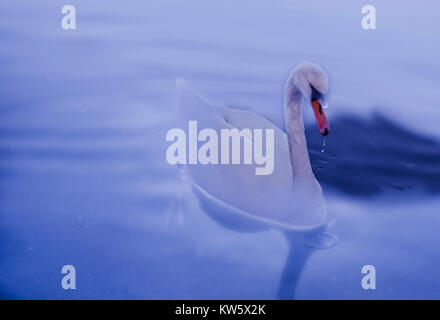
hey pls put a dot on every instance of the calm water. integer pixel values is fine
(84, 179)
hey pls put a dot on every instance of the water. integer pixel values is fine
(325, 240)
(83, 120)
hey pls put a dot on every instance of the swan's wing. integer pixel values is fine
(265, 196)
(365, 157)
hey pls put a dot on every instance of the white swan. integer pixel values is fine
(290, 198)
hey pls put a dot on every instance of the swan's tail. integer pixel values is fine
(181, 85)
(192, 106)
(186, 95)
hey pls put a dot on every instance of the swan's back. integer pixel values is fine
(261, 196)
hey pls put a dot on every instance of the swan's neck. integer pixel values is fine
(299, 156)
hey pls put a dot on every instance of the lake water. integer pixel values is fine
(84, 115)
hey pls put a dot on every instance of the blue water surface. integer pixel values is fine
(83, 175)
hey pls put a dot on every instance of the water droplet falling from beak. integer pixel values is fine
(323, 145)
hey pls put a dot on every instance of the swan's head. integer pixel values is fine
(312, 82)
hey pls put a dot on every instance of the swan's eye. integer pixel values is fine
(315, 94)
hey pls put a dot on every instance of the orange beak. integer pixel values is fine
(321, 120)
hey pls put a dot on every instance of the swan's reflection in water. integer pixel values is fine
(301, 245)
(295, 263)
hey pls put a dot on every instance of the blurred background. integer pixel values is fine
(84, 113)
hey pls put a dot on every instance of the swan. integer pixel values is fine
(290, 199)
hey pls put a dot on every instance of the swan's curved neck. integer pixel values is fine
(293, 114)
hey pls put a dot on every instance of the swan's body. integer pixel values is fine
(290, 198)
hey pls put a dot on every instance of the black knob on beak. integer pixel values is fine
(325, 132)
